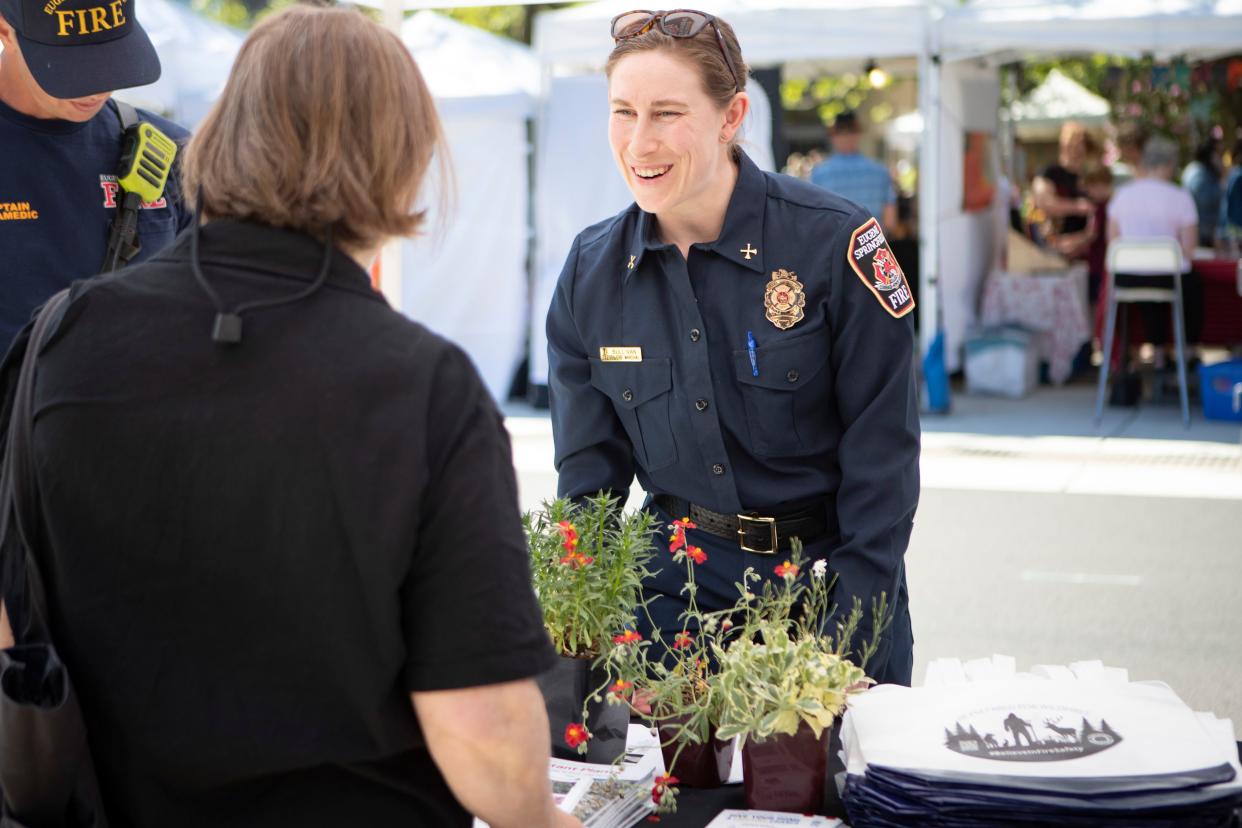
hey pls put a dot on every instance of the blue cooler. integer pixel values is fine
(1220, 385)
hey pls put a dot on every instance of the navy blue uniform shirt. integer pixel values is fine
(827, 408)
(58, 194)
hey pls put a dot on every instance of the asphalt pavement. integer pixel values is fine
(1047, 537)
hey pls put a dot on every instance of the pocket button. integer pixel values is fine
(701, 405)
(627, 395)
(792, 376)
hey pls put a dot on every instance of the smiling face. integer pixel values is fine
(669, 138)
(21, 91)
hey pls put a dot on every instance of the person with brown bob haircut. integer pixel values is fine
(274, 510)
(739, 340)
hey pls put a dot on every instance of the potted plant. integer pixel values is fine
(781, 683)
(588, 561)
(672, 676)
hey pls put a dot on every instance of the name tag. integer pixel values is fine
(619, 354)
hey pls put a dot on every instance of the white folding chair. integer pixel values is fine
(1157, 258)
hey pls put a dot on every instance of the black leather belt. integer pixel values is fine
(753, 531)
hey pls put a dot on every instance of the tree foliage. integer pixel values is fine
(516, 22)
(1181, 99)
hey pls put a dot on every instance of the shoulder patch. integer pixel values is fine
(874, 262)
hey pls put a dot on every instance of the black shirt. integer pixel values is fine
(1067, 186)
(255, 552)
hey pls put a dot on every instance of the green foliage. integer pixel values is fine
(829, 95)
(510, 21)
(1177, 98)
(771, 686)
(240, 13)
(781, 670)
(758, 668)
(588, 563)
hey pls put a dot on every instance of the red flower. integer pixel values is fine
(787, 570)
(697, 554)
(679, 533)
(682, 640)
(570, 535)
(576, 734)
(576, 560)
(662, 786)
(619, 688)
(627, 637)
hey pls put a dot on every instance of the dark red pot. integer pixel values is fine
(786, 773)
(698, 765)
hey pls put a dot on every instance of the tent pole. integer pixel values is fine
(929, 200)
(391, 274)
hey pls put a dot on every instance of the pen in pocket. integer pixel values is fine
(750, 349)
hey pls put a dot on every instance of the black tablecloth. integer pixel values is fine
(696, 808)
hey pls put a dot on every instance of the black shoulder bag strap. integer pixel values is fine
(46, 771)
(122, 233)
(18, 484)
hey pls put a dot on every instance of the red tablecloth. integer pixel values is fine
(1222, 306)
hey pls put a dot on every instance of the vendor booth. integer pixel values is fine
(971, 41)
(465, 276)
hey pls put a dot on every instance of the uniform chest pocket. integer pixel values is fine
(156, 230)
(785, 403)
(640, 393)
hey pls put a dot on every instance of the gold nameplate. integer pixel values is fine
(619, 354)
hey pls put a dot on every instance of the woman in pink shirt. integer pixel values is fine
(1153, 206)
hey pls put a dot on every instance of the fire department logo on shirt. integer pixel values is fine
(887, 272)
(883, 276)
(784, 299)
(112, 189)
(1034, 734)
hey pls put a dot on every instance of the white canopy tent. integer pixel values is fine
(1001, 29)
(1040, 114)
(770, 31)
(466, 278)
(196, 54)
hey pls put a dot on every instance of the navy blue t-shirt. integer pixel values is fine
(58, 194)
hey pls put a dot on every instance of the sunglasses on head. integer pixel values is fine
(683, 23)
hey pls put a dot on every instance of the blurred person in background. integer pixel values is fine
(855, 177)
(275, 512)
(1152, 206)
(1097, 180)
(1231, 203)
(1131, 137)
(1202, 178)
(740, 340)
(1058, 195)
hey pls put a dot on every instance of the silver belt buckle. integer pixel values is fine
(770, 522)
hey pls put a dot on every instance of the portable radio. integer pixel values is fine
(146, 162)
